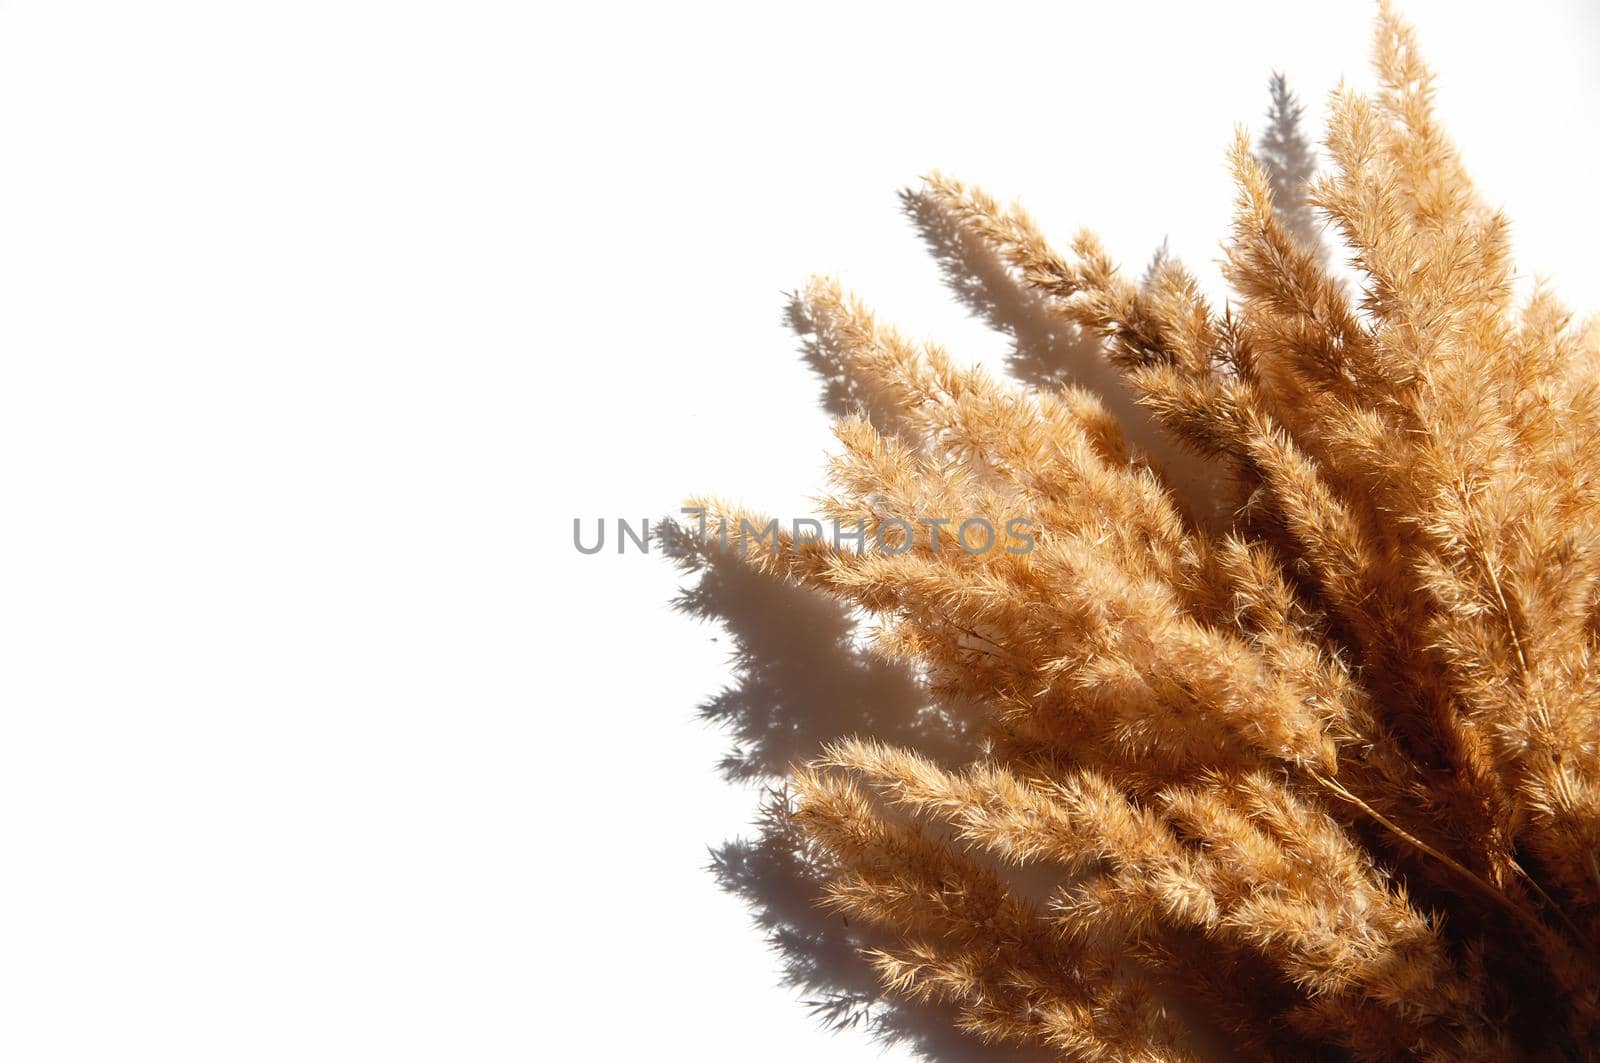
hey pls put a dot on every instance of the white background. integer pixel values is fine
(319, 324)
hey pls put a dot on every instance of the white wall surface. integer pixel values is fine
(320, 322)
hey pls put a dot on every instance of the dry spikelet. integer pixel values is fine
(1343, 750)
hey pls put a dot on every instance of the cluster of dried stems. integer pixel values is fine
(1323, 779)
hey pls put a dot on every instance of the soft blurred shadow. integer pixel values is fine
(1047, 350)
(1290, 162)
(800, 678)
(821, 953)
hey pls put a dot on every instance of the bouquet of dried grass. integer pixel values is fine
(1323, 777)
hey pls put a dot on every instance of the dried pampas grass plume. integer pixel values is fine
(1324, 776)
